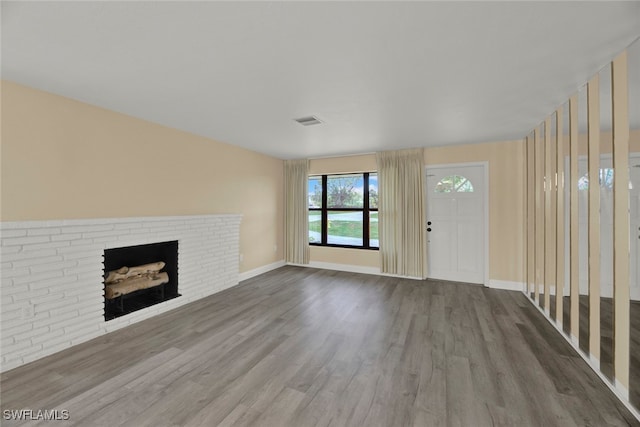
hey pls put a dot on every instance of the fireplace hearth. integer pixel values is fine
(136, 277)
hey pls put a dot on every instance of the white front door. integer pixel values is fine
(456, 223)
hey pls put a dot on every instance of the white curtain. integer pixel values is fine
(401, 212)
(296, 211)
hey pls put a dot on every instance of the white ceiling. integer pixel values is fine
(380, 75)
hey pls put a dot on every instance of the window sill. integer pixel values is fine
(344, 246)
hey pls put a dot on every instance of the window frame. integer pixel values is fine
(324, 212)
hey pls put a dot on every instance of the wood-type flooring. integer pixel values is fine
(306, 347)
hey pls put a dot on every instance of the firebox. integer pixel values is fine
(140, 276)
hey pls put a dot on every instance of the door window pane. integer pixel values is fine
(454, 184)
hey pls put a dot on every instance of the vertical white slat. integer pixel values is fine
(560, 261)
(548, 238)
(593, 134)
(531, 258)
(539, 227)
(574, 220)
(621, 232)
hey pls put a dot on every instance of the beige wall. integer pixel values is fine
(63, 159)
(506, 203)
(357, 257)
(53, 167)
(346, 164)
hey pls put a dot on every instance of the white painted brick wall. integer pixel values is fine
(51, 289)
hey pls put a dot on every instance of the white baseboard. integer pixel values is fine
(339, 267)
(552, 289)
(574, 340)
(402, 277)
(634, 294)
(595, 362)
(622, 390)
(506, 285)
(618, 389)
(351, 269)
(260, 270)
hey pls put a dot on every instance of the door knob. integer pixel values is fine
(428, 222)
(429, 229)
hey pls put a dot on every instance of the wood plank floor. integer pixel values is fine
(305, 347)
(606, 338)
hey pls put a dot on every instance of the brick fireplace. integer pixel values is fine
(52, 288)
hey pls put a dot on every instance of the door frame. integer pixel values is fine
(485, 176)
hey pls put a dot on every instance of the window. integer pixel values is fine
(605, 177)
(343, 210)
(454, 184)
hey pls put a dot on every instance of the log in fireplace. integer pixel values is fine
(140, 276)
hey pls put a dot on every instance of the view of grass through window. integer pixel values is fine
(344, 209)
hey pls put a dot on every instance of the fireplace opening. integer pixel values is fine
(140, 276)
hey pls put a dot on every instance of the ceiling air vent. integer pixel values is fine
(308, 121)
